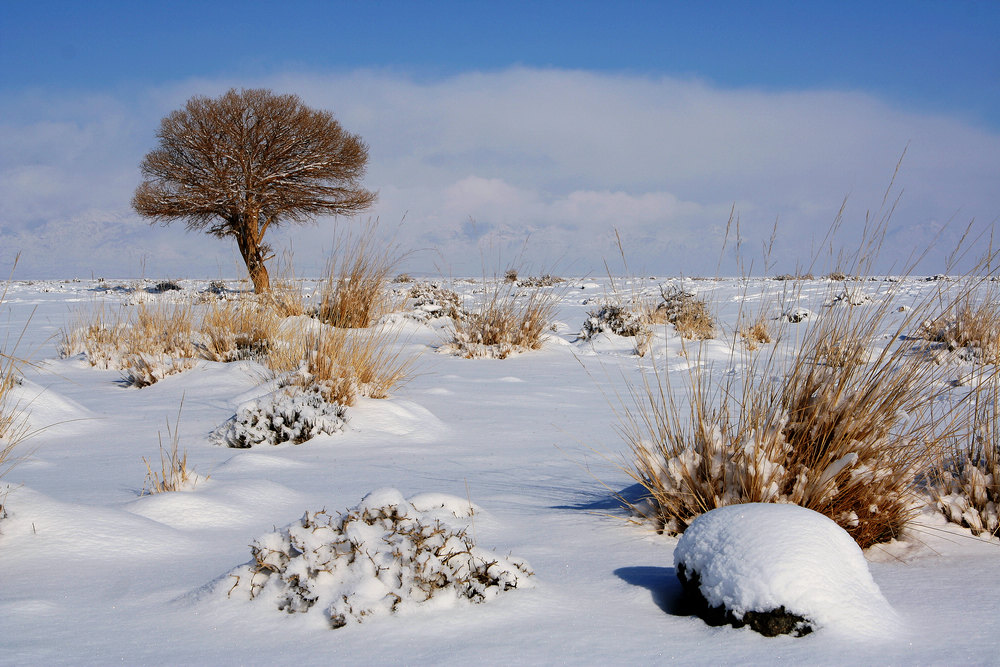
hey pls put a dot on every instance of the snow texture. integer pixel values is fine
(762, 556)
(380, 557)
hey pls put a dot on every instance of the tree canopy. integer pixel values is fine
(247, 161)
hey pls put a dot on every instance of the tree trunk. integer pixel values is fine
(253, 257)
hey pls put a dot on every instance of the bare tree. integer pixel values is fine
(249, 160)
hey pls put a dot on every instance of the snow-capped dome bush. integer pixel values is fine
(744, 563)
(384, 555)
(291, 414)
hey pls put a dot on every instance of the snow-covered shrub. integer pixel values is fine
(544, 280)
(780, 569)
(291, 414)
(617, 319)
(380, 557)
(688, 313)
(436, 301)
(965, 481)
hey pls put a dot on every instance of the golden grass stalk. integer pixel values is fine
(355, 292)
(845, 440)
(237, 330)
(346, 363)
(173, 474)
(847, 429)
(13, 415)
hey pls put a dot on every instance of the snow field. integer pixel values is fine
(94, 573)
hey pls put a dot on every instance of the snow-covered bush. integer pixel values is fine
(291, 414)
(688, 313)
(617, 319)
(380, 557)
(544, 280)
(965, 482)
(780, 569)
(436, 301)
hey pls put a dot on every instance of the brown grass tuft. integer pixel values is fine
(355, 292)
(505, 322)
(965, 479)
(968, 328)
(757, 333)
(344, 364)
(174, 474)
(689, 314)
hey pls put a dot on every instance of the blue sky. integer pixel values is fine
(532, 128)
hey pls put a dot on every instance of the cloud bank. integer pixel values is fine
(534, 166)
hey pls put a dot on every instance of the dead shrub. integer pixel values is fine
(436, 300)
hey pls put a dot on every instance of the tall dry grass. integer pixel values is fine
(504, 322)
(842, 425)
(13, 414)
(343, 364)
(969, 327)
(355, 291)
(965, 480)
(173, 474)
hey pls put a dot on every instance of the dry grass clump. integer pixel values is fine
(237, 330)
(173, 474)
(845, 439)
(965, 480)
(689, 314)
(146, 343)
(756, 333)
(355, 291)
(970, 330)
(505, 322)
(13, 418)
(344, 364)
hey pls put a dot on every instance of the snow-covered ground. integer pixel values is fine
(95, 573)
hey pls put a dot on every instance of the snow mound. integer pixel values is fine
(380, 557)
(290, 414)
(763, 557)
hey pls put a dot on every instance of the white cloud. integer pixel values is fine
(560, 158)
